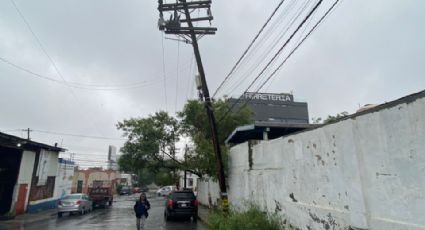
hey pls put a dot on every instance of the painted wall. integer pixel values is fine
(366, 172)
(43, 184)
(64, 178)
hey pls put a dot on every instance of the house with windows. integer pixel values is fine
(188, 179)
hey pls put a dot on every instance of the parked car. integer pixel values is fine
(166, 190)
(78, 202)
(145, 189)
(181, 204)
(137, 190)
(125, 190)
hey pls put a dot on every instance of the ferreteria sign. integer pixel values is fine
(268, 96)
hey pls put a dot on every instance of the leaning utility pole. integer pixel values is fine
(190, 34)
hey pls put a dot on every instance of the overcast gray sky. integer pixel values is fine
(365, 52)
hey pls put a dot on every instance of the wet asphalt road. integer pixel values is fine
(119, 216)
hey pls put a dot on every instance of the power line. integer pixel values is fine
(268, 50)
(177, 74)
(286, 59)
(274, 57)
(79, 135)
(51, 61)
(77, 85)
(300, 38)
(299, 44)
(164, 73)
(249, 47)
(190, 78)
(285, 44)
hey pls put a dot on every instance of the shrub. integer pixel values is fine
(253, 218)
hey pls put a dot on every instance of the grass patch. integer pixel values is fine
(254, 218)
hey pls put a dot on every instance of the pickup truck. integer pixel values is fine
(101, 196)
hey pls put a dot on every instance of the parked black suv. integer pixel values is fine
(181, 204)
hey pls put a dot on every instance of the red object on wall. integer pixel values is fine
(22, 195)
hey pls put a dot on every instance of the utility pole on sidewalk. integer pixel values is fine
(190, 35)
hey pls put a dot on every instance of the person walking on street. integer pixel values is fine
(141, 209)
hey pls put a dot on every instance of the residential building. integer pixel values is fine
(191, 180)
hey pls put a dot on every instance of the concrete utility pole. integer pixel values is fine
(189, 35)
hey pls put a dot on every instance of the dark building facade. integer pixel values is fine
(272, 107)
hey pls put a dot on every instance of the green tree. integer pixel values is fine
(194, 124)
(151, 141)
(150, 145)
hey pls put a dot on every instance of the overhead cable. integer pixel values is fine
(299, 44)
(249, 47)
(284, 61)
(77, 85)
(254, 66)
(164, 73)
(92, 120)
(79, 135)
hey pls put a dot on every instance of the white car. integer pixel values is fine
(166, 190)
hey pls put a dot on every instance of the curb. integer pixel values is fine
(203, 220)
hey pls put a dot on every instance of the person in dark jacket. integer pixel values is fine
(141, 209)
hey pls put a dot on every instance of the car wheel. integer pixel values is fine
(166, 217)
(110, 203)
(59, 214)
(194, 218)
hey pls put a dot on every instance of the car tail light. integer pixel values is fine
(195, 203)
(78, 202)
(170, 203)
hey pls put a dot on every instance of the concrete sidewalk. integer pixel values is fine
(33, 217)
(203, 213)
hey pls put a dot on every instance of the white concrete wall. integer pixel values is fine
(208, 192)
(26, 168)
(367, 172)
(47, 166)
(64, 178)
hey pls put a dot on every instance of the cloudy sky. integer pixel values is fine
(103, 61)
